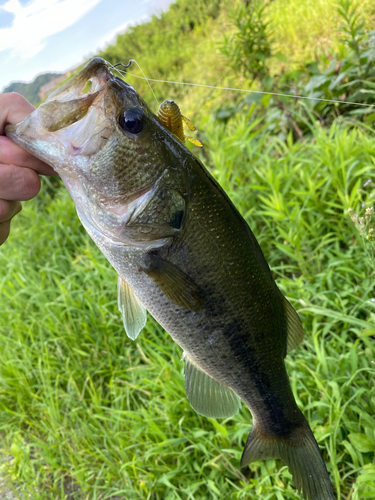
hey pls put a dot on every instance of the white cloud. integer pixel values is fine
(37, 20)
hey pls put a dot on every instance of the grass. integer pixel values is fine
(310, 30)
(86, 410)
(85, 413)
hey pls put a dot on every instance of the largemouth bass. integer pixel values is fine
(183, 252)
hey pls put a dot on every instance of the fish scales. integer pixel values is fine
(183, 252)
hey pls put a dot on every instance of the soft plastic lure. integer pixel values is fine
(170, 115)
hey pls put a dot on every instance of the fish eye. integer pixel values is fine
(130, 120)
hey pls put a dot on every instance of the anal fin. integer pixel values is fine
(206, 395)
(134, 315)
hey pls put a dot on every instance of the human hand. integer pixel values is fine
(19, 179)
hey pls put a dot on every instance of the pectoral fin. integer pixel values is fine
(294, 326)
(176, 284)
(206, 395)
(134, 315)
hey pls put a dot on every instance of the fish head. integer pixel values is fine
(106, 144)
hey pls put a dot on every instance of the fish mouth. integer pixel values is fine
(74, 122)
(73, 131)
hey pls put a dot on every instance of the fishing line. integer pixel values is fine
(243, 90)
(122, 73)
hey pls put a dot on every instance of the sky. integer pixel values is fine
(39, 36)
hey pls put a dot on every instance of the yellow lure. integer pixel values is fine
(170, 115)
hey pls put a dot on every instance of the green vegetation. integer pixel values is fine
(328, 82)
(88, 414)
(31, 90)
(177, 45)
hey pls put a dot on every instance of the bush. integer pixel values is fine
(347, 79)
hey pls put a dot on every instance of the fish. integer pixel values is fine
(183, 252)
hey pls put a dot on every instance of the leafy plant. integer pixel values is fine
(363, 220)
(249, 47)
(350, 76)
(341, 86)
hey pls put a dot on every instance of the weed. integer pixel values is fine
(249, 47)
(364, 221)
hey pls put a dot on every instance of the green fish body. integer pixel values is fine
(183, 252)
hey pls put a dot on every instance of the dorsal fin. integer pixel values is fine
(294, 326)
(134, 315)
(206, 395)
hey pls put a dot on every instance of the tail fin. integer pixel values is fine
(302, 455)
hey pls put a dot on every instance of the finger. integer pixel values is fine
(14, 108)
(4, 231)
(10, 153)
(18, 183)
(9, 209)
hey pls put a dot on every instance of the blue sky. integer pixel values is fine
(37, 36)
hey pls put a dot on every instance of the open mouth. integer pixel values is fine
(91, 79)
(71, 123)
